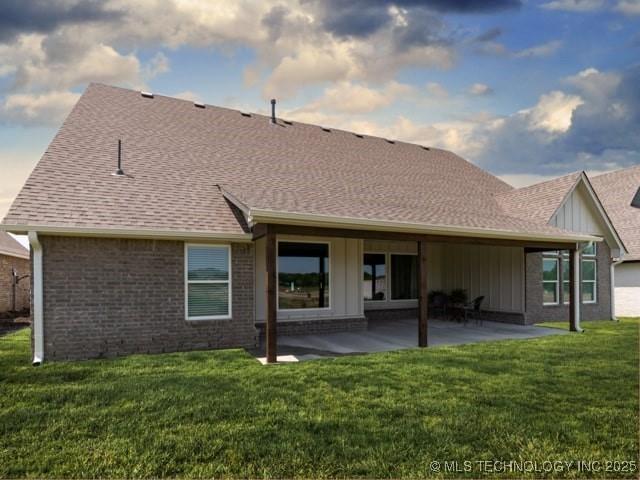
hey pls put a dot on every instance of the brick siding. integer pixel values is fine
(109, 297)
(22, 290)
(312, 327)
(537, 312)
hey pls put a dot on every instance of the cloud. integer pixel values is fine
(628, 7)
(574, 5)
(479, 89)
(489, 35)
(542, 50)
(552, 113)
(37, 109)
(436, 90)
(188, 95)
(42, 16)
(157, 65)
(353, 98)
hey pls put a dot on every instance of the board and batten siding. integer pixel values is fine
(345, 286)
(578, 214)
(493, 271)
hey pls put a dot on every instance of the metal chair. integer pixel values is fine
(472, 309)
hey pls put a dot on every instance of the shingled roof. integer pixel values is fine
(184, 163)
(11, 247)
(616, 190)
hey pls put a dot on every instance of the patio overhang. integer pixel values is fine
(271, 231)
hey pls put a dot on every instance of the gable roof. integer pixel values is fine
(538, 201)
(616, 190)
(541, 201)
(191, 170)
(11, 247)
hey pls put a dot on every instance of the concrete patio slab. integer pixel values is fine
(401, 334)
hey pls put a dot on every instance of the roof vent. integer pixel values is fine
(198, 104)
(287, 122)
(147, 94)
(425, 148)
(326, 129)
(119, 172)
(273, 111)
(392, 142)
(358, 135)
(245, 114)
(636, 199)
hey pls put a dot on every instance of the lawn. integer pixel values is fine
(219, 413)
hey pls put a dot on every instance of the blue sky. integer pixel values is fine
(527, 90)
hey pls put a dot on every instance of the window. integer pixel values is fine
(589, 250)
(303, 275)
(588, 281)
(374, 276)
(550, 281)
(566, 272)
(208, 282)
(404, 277)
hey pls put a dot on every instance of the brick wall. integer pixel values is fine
(317, 326)
(108, 297)
(537, 312)
(22, 291)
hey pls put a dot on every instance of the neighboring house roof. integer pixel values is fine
(616, 190)
(11, 247)
(188, 168)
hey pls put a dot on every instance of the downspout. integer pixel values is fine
(38, 327)
(613, 288)
(577, 286)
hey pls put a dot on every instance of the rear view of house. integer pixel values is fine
(14, 275)
(158, 224)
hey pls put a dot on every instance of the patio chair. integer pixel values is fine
(439, 304)
(472, 310)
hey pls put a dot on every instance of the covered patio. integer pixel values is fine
(384, 336)
(394, 334)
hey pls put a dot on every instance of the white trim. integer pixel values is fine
(141, 233)
(320, 220)
(187, 282)
(10, 253)
(38, 303)
(557, 280)
(314, 309)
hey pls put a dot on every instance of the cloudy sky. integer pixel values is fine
(525, 89)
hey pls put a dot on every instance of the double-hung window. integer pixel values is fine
(208, 282)
(550, 281)
(589, 274)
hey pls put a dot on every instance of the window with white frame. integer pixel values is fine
(588, 270)
(208, 282)
(550, 281)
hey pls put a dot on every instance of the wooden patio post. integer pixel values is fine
(574, 288)
(271, 291)
(422, 294)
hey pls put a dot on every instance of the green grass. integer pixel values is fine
(221, 414)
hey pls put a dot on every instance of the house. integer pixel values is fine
(14, 273)
(619, 192)
(158, 224)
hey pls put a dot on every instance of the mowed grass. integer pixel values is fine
(221, 414)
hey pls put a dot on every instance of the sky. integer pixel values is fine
(527, 90)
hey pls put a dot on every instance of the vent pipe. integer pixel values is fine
(273, 110)
(119, 171)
